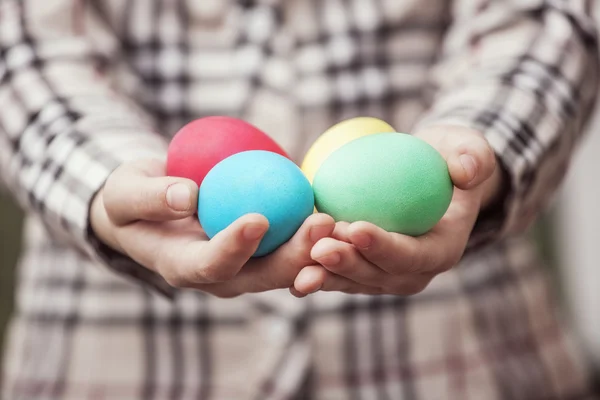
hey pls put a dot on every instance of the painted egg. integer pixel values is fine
(337, 136)
(394, 180)
(201, 144)
(256, 182)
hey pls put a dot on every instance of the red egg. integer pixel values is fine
(201, 144)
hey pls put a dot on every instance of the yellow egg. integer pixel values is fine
(337, 136)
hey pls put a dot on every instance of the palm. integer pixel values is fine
(363, 258)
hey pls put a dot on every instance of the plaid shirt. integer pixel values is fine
(86, 85)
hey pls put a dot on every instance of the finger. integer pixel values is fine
(184, 258)
(296, 293)
(400, 254)
(148, 243)
(343, 259)
(470, 159)
(279, 269)
(130, 195)
(229, 250)
(341, 231)
(393, 253)
(297, 250)
(403, 286)
(310, 279)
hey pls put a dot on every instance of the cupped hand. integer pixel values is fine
(150, 217)
(363, 258)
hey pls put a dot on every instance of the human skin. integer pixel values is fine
(150, 217)
(363, 258)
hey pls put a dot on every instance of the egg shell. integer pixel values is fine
(394, 180)
(337, 136)
(202, 143)
(256, 182)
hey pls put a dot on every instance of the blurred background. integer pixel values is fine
(568, 236)
(10, 235)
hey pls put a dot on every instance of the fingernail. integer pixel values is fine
(318, 232)
(362, 240)
(178, 197)
(468, 164)
(254, 232)
(330, 259)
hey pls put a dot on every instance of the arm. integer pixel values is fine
(79, 156)
(515, 86)
(525, 75)
(63, 128)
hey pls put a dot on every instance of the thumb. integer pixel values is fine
(130, 195)
(470, 159)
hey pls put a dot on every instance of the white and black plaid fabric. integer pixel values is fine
(85, 85)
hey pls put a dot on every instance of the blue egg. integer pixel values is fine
(256, 182)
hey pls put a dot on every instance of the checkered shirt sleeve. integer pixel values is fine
(63, 128)
(522, 72)
(525, 74)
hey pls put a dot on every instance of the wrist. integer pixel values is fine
(100, 223)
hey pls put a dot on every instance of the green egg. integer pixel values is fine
(393, 180)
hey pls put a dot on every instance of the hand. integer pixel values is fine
(150, 218)
(363, 258)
